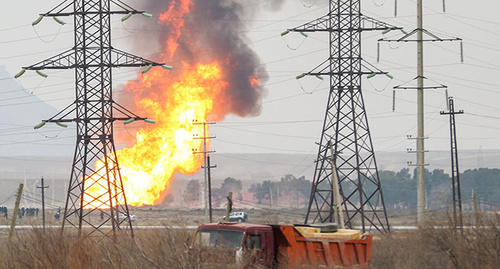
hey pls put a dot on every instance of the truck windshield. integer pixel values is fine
(219, 238)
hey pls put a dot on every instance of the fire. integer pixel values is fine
(218, 78)
(166, 147)
(174, 17)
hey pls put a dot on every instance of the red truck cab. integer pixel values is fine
(236, 243)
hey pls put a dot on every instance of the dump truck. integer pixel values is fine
(246, 245)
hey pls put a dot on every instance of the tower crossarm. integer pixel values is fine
(427, 37)
(65, 9)
(318, 25)
(66, 60)
(322, 24)
(371, 24)
(323, 69)
(124, 59)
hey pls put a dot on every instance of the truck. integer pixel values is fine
(246, 245)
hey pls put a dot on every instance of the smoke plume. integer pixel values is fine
(203, 31)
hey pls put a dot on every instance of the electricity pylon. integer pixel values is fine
(345, 123)
(93, 58)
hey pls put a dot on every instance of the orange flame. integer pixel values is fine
(166, 147)
(174, 17)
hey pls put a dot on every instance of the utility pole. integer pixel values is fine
(345, 121)
(16, 209)
(420, 116)
(43, 187)
(94, 111)
(205, 152)
(336, 193)
(419, 32)
(229, 206)
(455, 172)
(210, 188)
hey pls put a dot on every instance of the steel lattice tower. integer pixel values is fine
(93, 58)
(345, 123)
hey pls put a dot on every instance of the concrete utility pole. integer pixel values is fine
(430, 37)
(420, 117)
(336, 193)
(43, 187)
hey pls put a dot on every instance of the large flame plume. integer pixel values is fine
(215, 74)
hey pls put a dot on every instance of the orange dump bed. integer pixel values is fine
(299, 247)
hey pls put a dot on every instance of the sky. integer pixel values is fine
(292, 111)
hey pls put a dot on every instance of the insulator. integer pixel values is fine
(447, 101)
(147, 69)
(147, 15)
(285, 33)
(371, 75)
(168, 67)
(389, 76)
(62, 124)
(395, 8)
(59, 21)
(393, 100)
(304, 34)
(444, 6)
(127, 16)
(40, 73)
(319, 77)
(386, 31)
(150, 121)
(378, 52)
(300, 76)
(40, 125)
(37, 21)
(462, 51)
(20, 74)
(404, 32)
(128, 121)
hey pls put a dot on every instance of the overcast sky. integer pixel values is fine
(293, 112)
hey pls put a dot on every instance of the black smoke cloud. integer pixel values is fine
(213, 30)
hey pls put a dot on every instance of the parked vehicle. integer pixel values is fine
(281, 246)
(237, 217)
(123, 217)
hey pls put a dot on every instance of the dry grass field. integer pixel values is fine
(433, 246)
(437, 246)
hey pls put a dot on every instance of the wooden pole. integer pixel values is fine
(16, 209)
(43, 187)
(209, 191)
(476, 209)
(229, 205)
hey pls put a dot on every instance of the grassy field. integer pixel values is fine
(433, 246)
(436, 245)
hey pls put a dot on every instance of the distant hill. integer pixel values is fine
(20, 111)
